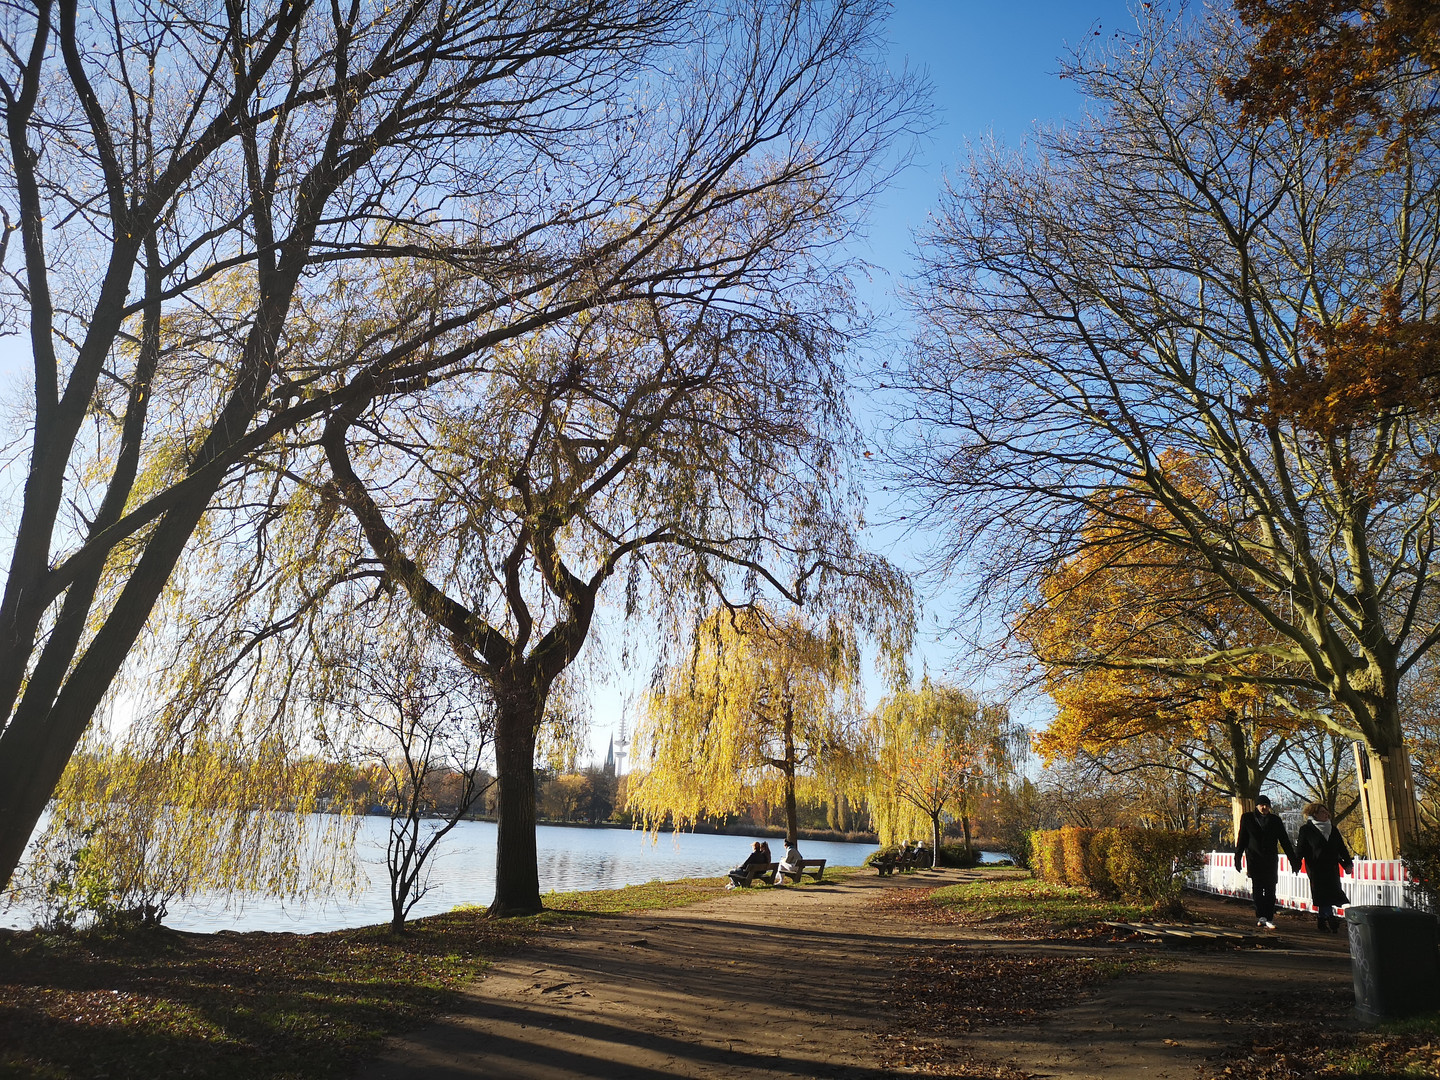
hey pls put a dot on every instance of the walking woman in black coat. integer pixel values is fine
(1323, 849)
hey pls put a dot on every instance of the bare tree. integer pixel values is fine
(1148, 781)
(193, 194)
(1099, 312)
(1320, 767)
(416, 720)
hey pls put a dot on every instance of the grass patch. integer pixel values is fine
(1030, 908)
(1015, 905)
(651, 895)
(1400, 1048)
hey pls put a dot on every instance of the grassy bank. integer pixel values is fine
(235, 1006)
(669, 894)
(1014, 904)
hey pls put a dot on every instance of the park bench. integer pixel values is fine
(814, 867)
(755, 872)
(916, 860)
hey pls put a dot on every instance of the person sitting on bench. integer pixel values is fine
(754, 863)
(791, 863)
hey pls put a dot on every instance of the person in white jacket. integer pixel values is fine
(790, 862)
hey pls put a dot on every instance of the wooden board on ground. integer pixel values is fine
(1181, 932)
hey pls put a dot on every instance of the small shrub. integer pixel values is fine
(1149, 865)
(959, 855)
(76, 893)
(1075, 848)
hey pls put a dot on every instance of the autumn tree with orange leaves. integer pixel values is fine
(1117, 633)
(1352, 68)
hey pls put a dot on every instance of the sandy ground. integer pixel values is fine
(796, 983)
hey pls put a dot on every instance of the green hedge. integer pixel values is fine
(1140, 865)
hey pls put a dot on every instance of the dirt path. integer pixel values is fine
(795, 983)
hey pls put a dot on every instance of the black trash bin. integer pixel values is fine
(1395, 956)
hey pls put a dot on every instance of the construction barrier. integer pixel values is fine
(1375, 881)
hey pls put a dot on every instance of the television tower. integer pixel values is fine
(621, 742)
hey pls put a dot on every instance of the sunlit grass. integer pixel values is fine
(651, 895)
(673, 894)
(1033, 905)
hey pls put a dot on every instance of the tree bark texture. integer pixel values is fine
(517, 876)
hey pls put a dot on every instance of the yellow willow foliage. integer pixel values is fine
(225, 815)
(760, 702)
(933, 751)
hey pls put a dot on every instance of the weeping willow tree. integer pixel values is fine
(933, 751)
(763, 708)
(155, 816)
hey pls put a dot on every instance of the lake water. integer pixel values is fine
(570, 860)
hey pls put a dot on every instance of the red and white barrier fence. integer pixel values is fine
(1375, 881)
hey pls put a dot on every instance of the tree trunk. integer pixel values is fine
(517, 878)
(792, 816)
(965, 828)
(1239, 806)
(1244, 769)
(934, 840)
(399, 861)
(54, 712)
(1387, 799)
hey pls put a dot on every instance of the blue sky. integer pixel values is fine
(992, 66)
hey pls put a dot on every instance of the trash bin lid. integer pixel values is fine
(1372, 914)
